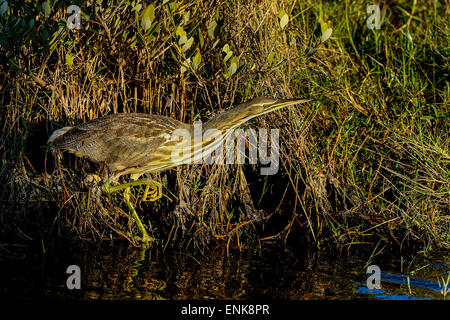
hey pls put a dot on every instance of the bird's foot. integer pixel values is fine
(145, 241)
(154, 194)
(106, 187)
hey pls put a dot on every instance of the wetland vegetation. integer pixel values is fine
(364, 164)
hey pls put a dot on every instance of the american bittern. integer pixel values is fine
(137, 144)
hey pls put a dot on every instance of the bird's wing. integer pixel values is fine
(119, 140)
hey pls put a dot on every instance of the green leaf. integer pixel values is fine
(133, 42)
(196, 61)
(200, 38)
(215, 44)
(183, 39)
(3, 7)
(186, 17)
(173, 5)
(323, 26)
(180, 31)
(284, 20)
(185, 65)
(149, 11)
(212, 29)
(233, 66)
(148, 15)
(270, 59)
(137, 8)
(45, 7)
(146, 23)
(326, 35)
(69, 61)
(228, 52)
(187, 45)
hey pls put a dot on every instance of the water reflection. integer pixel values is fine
(394, 287)
(122, 272)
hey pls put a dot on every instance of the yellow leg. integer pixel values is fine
(146, 239)
(154, 195)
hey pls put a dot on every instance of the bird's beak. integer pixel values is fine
(288, 102)
(280, 103)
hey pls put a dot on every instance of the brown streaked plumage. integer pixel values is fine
(124, 142)
(135, 143)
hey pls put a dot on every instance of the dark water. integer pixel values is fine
(123, 272)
